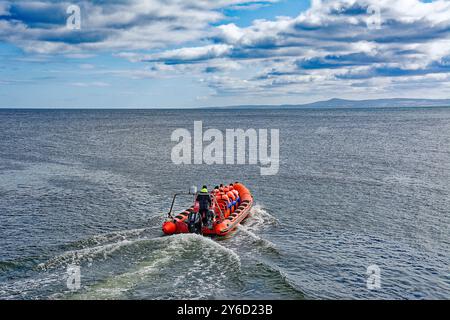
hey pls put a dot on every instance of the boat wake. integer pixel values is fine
(188, 266)
(125, 264)
(257, 239)
(261, 219)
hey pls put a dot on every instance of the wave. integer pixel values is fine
(181, 266)
(125, 264)
(257, 239)
(8, 265)
(102, 245)
(20, 264)
(28, 288)
(114, 236)
(279, 279)
(260, 218)
(76, 257)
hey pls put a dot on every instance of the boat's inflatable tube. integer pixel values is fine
(230, 211)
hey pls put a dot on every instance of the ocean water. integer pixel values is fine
(356, 187)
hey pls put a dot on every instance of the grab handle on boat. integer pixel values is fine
(171, 206)
(222, 216)
(192, 191)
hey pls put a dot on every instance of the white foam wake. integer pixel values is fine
(260, 218)
(263, 242)
(184, 264)
(77, 257)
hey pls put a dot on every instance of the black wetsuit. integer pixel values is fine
(205, 202)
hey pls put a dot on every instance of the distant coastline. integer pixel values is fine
(330, 104)
(342, 103)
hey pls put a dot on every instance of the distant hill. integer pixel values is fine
(341, 103)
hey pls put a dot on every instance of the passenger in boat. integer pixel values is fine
(204, 201)
(225, 204)
(232, 198)
(236, 193)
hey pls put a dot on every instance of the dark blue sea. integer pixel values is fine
(356, 188)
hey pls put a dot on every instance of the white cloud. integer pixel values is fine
(331, 46)
(192, 54)
(328, 48)
(39, 26)
(99, 84)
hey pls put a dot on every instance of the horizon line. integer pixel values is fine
(225, 106)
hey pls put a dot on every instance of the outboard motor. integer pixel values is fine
(210, 219)
(195, 222)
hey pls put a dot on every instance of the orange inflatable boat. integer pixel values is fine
(229, 206)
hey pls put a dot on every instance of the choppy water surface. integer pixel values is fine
(356, 187)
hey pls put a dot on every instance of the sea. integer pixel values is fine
(359, 208)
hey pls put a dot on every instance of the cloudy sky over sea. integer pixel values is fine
(185, 53)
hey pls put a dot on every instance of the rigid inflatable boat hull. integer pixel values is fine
(224, 226)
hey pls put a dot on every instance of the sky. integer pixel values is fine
(196, 53)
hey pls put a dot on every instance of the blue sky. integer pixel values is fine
(172, 53)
